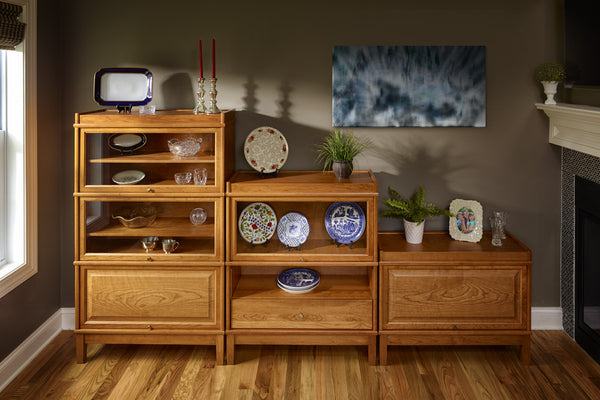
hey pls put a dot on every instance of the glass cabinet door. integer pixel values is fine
(149, 160)
(136, 229)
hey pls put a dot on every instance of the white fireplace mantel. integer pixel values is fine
(574, 126)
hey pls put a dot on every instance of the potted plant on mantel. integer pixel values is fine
(550, 74)
(413, 211)
(337, 152)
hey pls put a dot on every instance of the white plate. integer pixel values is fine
(293, 229)
(296, 291)
(127, 142)
(298, 279)
(128, 177)
(266, 149)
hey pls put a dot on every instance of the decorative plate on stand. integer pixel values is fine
(266, 149)
(257, 223)
(293, 229)
(345, 222)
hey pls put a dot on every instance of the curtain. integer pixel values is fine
(12, 30)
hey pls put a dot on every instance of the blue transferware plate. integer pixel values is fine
(345, 221)
(298, 279)
(293, 229)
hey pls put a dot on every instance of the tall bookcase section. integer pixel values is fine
(342, 309)
(126, 293)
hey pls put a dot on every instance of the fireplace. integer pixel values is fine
(587, 266)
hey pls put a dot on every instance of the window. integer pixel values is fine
(18, 157)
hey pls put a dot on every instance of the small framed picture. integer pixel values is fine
(467, 222)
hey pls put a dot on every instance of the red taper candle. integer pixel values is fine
(201, 71)
(213, 59)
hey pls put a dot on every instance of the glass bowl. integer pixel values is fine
(198, 216)
(183, 178)
(136, 217)
(184, 147)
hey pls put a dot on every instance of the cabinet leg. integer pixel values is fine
(372, 350)
(525, 351)
(383, 350)
(80, 349)
(230, 349)
(219, 347)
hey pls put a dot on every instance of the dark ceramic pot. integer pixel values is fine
(342, 169)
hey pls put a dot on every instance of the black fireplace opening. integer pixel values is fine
(587, 266)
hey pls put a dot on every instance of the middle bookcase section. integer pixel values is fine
(301, 216)
(156, 229)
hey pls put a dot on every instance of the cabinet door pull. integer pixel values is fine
(149, 190)
(148, 258)
(149, 327)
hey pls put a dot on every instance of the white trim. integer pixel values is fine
(546, 318)
(29, 265)
(68, 319)
(16, 361)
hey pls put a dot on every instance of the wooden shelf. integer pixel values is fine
(153, 158)
(179, 227)
(348, 287)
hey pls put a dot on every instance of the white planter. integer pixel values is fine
(550, 91)
(414, 232)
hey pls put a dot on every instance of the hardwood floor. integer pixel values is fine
(559, 369)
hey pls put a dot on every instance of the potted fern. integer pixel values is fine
(413, 211)
(550, 74)
(337, 152)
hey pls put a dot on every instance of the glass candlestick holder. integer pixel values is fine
(200, 107)
(496, 226)
(212, 100)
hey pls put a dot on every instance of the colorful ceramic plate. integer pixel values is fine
(127, 142)
(128, 177)
(257, 223)
(293, 229)
(345, 222)
(298, 279)
(266, 149)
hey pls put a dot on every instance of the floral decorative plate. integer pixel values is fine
(128, 177)
(298, 279)
(345, 222)
(257, 223)
(293, 229)
(266, 149)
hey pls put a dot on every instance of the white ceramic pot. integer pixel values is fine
(413, 232)
(550, 91)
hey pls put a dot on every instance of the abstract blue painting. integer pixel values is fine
(409, 86)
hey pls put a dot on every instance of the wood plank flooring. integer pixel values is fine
(559, 369)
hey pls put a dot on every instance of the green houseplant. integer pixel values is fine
(550, 74)
(413, 211)
(337, 152)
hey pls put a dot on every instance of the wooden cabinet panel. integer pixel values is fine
(474, 298)
(169, 298)
(301, 314)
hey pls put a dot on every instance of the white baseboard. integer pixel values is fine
(546, 318)
(12, 365)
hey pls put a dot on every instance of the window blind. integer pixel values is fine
(12, 30)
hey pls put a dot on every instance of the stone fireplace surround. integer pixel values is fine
(577, 130)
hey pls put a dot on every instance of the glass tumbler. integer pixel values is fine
(496, 225)
(200, 176)
(501, 216)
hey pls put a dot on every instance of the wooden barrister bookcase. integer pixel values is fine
(123, 293)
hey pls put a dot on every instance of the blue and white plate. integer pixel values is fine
(293, 229)
(345, 221)
(296, 291)
(298, 279)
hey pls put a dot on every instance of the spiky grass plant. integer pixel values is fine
(339, 146)
(413, 209)
(550, 72)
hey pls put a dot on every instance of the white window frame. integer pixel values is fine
(21, 165)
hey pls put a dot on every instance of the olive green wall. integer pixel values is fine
(28, 306)
(274, 67)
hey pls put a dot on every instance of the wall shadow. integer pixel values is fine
(178, 92)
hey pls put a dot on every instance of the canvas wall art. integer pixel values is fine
(409, 86)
